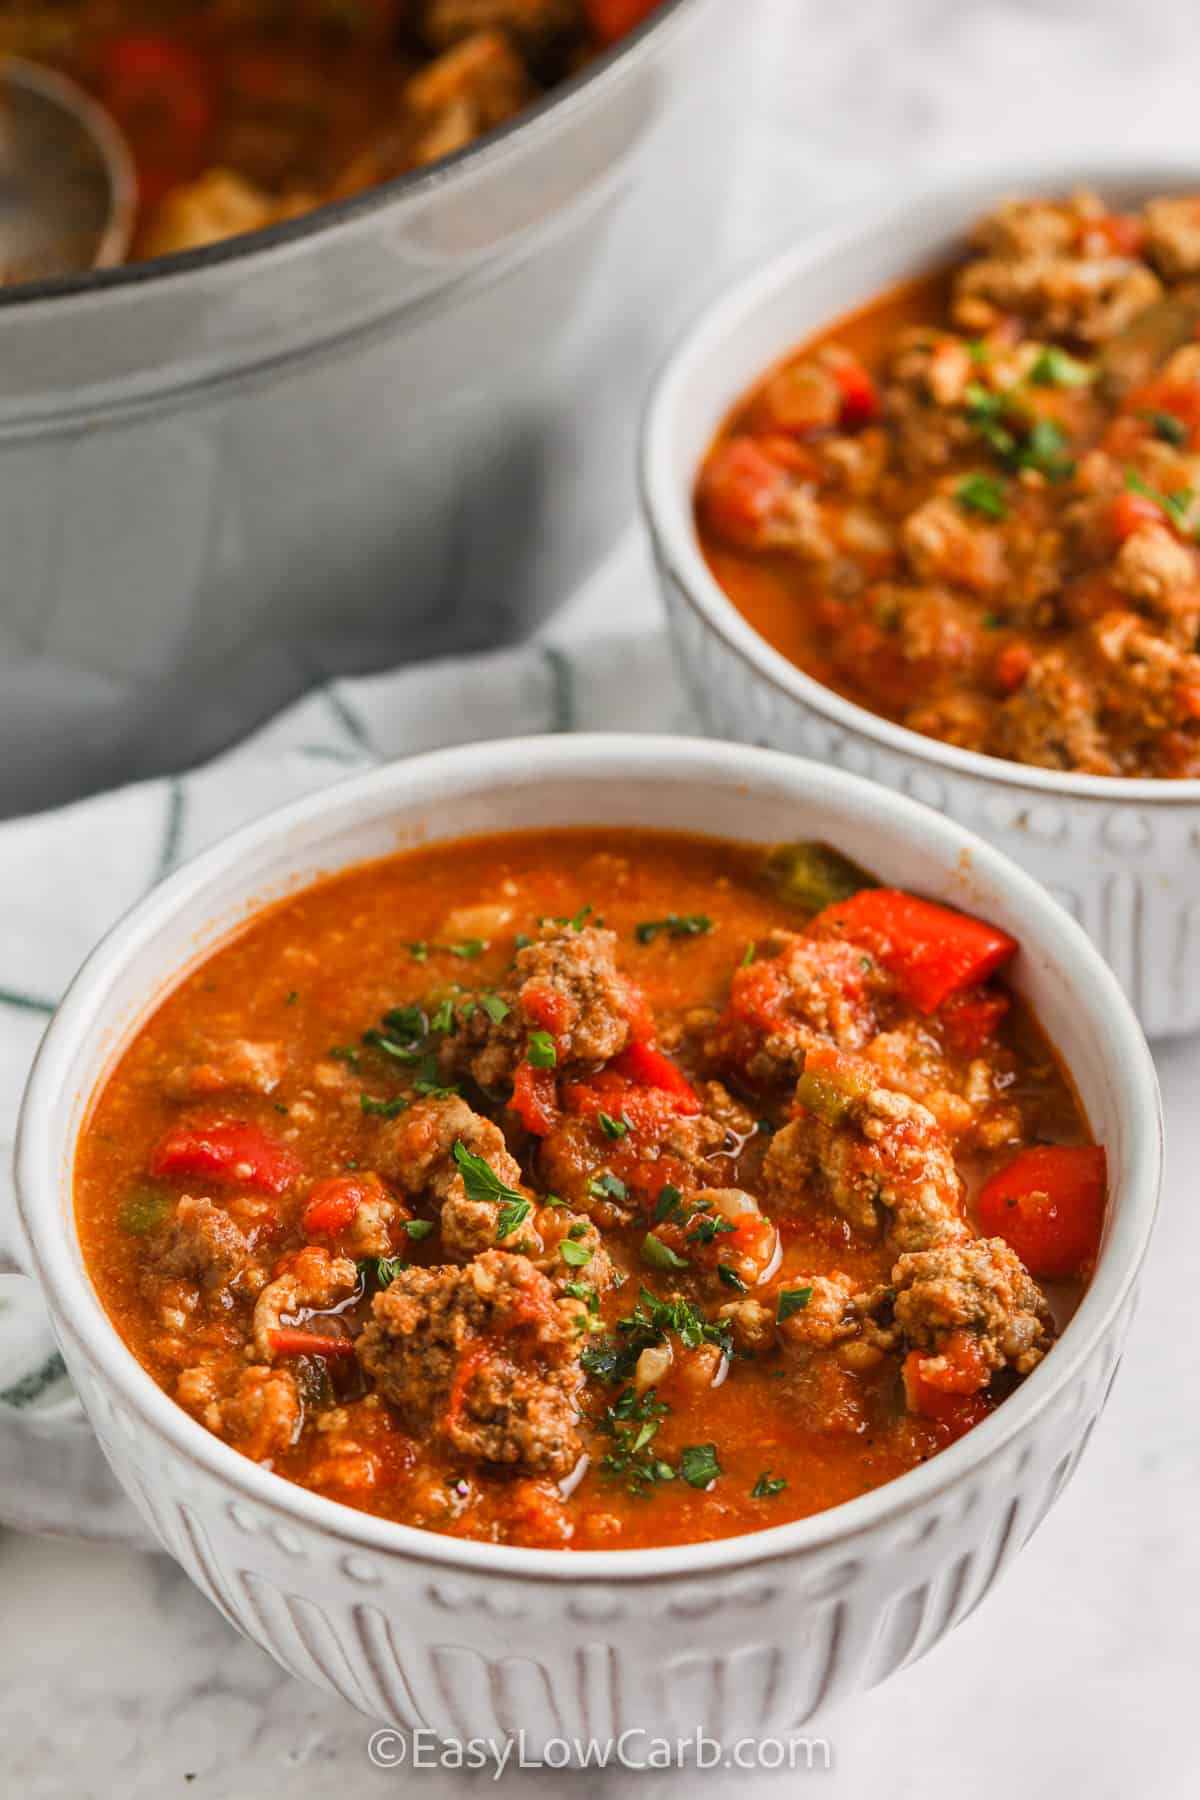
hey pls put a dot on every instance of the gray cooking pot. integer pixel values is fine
(382, 431)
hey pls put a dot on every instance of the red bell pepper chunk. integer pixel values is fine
(1129, 511)
(535, 1099)
(740, 489)
(290, 1341)
(970, 1019)
(860, 397)
(227, 1152)
(333, 1203)
(647, 1067)
(932, 951)
(1048, 1206)
(612, 20)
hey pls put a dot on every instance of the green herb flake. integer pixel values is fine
(675, 925)
(542, 1052)
(1166, 427)
(292, 998)
(1176, 504)
(1054, 368)
(576, 1255)
(982, 493)
(766, 1485)
(419, 952)
(698, 1465)
(481, 1180)
(747, 955)
(792, 1300)
(667, 1204)
(346, 1053)
(658, 1255)
(511, 1217)
(613, 1128)
(607, 1187)
(496, 1009)
(143, 1210)
(731, 1278)
(387, 1268)
(383, 1109)
(469, 950)
(418, 1228)
(442, 1018)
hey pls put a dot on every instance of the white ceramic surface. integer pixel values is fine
(750, 1635)
(1122, 856)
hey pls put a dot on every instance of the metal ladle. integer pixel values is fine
(67, 184)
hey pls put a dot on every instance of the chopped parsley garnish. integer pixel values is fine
(383, 1109)
(143, 1209)
(1054, 368)
(703, 1226)
(1166, 427)
(576, 922)
(442, 1018)
(522, 941)
(766, 1127)
(1175, 504)
(390, 1046)
(495, 1008)
(632, 1422)
(468, 950)
(659, 1255)
(615, 1358)
(576, 1255)
(731, 1278)
(1045, 449)
(292, 998)
(381, 1270)
(747, 956)
(280, 1107)
(667, 1204)
(698, 1465)
(606, 1187)
(418, 1228)
(345, 1053)
(481, 1180)
(542, 1052)
(511, 1217)
(792, 1300)
(419, 952)
(676, 925)
(982, 493)
(613, 1128)
(766, 1485)
(406, 1022)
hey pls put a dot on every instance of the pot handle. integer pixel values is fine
(54, 1479)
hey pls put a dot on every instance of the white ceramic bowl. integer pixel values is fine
(1122, 856)
(746, 1636)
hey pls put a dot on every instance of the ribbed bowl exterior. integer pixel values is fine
(757, 1650)
(1129, 873)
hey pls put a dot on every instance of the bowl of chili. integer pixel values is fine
(970, 628)
(486, 1632)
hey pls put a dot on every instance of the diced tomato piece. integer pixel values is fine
(1048, 1205)
(1010, 670)
(535, 1099)
(970, 1019)
(646, 1110)
(643, 1026)
(228, 1152)
(860, 396)
(1125, 232)
(1130, 511)
(1187, 700)
(289, 1341)
(612, 20)
(333, 1203)
(957, 1410)
(647, 1067)
(160, 91)
(545, 1007)
(740, 488)
(932, 951)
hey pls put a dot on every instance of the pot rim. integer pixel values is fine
(45, 1147)
(529, 124)
(670, 517)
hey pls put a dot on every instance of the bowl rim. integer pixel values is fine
(531, 122)
(670, 517)
(45, 1148)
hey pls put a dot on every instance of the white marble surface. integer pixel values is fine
(1078, 1673)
